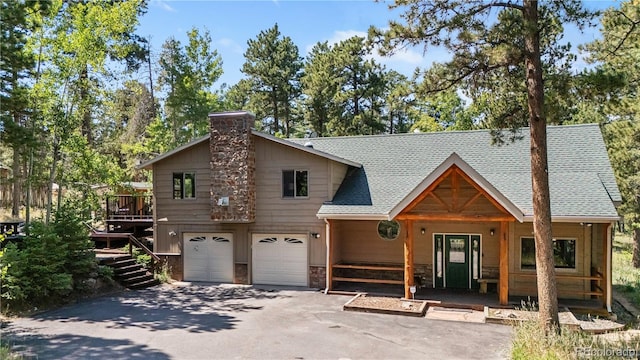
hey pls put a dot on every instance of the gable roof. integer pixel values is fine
(395, 168)
(455, 159)
(302, 147)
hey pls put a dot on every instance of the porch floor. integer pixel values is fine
(458, 296)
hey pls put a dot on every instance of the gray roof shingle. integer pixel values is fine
(581, 179)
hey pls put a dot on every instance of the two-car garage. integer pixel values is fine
(276, 259)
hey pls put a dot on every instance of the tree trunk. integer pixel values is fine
(636, 247)
(52, 178)
(84, 102)
(17, 184)
(545, 267)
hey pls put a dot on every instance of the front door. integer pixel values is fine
(457, 261)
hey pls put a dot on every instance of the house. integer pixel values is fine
(437, 210)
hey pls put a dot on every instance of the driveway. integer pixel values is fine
(208, 321)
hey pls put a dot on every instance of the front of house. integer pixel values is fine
(436, 210)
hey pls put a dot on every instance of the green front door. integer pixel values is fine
(456, 262)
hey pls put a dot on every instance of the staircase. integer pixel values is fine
(129, 273)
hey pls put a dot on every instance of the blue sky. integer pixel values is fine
(232, 23)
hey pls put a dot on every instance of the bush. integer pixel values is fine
(140, 256)
(53, 261)
(163, 274)
(105, 272)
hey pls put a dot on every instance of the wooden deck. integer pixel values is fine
(108, 236)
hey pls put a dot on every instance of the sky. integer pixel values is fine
(232, 23)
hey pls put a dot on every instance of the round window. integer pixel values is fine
(388, 230)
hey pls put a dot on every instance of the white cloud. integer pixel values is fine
(402, 58)
(163, 5)
(230, 44)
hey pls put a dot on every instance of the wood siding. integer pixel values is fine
(275, 214)
(358, 241)
(337, 173)
(523, 283)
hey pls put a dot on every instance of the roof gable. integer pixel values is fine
(297, 146)
(455, 166)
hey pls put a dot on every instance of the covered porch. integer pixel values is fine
(456, 234)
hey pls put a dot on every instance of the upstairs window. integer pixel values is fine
(564, 253)
(184, 185)
(295, 183)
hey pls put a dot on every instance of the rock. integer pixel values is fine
(91, 283)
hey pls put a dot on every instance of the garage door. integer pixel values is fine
(208, 257)
(279, 259)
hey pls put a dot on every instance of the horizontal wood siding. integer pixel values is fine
(195, 159)
(337, 173)
(277, 214)
(274, 214)
(358, 241)
(521, 283)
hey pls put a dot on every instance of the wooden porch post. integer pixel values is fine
(503, 288)
(605, 267)
(408, 259)
(330, 259)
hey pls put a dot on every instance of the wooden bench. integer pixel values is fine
(368, 267)
(483, 284)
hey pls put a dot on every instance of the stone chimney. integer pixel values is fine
(233, 164)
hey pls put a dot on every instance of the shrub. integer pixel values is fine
(105, 272)
(51, 263)
(140, 256)
(163, 274)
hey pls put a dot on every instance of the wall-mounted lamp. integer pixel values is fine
(315, 235)
(422, 231)
(172, 233)
(492, 232)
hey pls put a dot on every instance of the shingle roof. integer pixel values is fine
(582, 183)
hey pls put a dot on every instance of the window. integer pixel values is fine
(295, 183)
(564, 253)
(184, 185)
(388, 230)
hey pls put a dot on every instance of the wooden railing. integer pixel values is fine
(598, 277)
(134, 241)
(372, 267)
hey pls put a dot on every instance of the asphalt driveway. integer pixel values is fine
(206, 321)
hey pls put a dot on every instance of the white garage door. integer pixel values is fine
(279, 259)
(208, 257)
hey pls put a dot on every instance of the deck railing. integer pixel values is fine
(129, 207)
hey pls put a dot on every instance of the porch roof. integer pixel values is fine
(395, 167)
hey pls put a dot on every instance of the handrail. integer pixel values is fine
(563, 276)
(136, 242)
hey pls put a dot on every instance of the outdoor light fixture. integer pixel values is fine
(492, 231)
(422, 231)
(315, 235)
(172, 233)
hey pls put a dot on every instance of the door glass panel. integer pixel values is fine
(457, 252)
(439, 256)
(476, 258)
